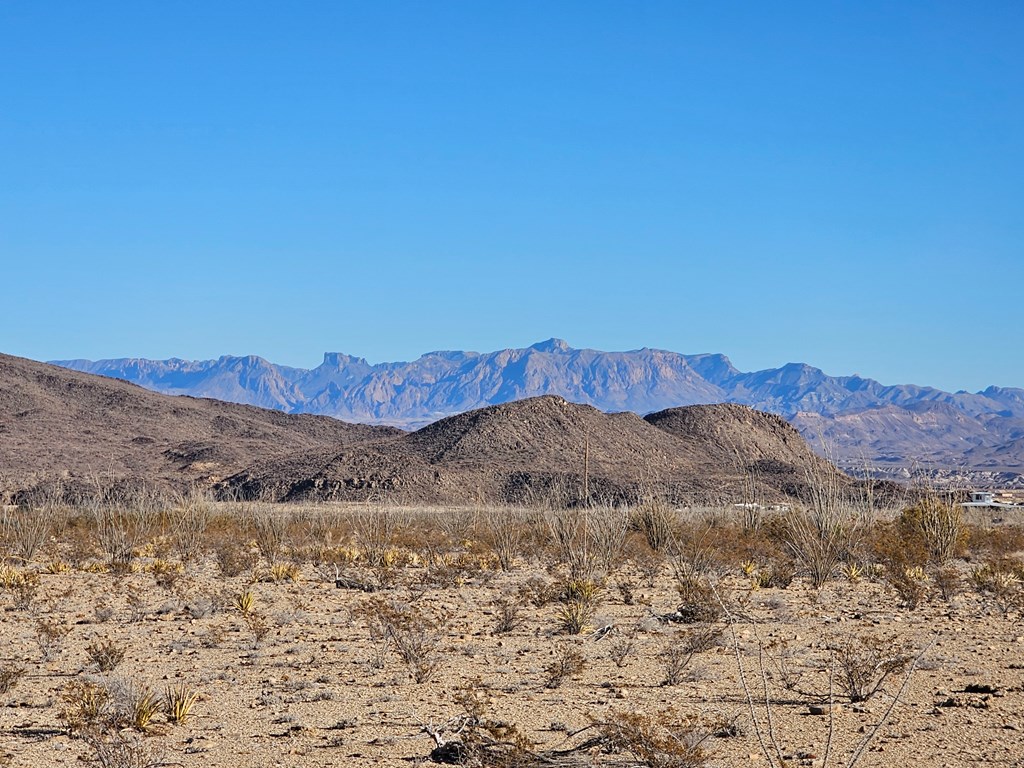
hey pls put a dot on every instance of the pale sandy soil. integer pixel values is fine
(309, 695)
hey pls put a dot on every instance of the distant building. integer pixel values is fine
(994, 500)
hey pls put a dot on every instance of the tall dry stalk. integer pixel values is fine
(822, 533)
(270, 527)
(506, 531)
(189, 519)
(374, 529)
(123, 519)
(657, 521)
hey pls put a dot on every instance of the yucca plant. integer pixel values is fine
(285, 571)
(244, 601)
(575, 617)
(143, 707)
(178, 703)
(85, 702)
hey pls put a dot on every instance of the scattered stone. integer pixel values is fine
(450, 753)
(823, 709)
(981, 688)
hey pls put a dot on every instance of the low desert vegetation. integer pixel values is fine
(148, 630)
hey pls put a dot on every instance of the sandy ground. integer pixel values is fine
(309, 693)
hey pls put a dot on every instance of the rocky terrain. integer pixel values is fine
(531, 449)
(857, 421)
(359, 633)
(83, 429)
(80, 428)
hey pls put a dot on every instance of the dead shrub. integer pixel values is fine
(780, 573)
(680, 651)
(411, 633)
(649, 565)
(166, 574)
(568, 662)
(698, 601)
(664, 740)
(867, 661)
(538, 591)
(24, 587)
(258, 627)
(994, 542)
(694, 550)
(627, 590)
(621, 649)
(508, 616)
(10, 674)
(105, 654)
(49, 635)
(910, 583)
(120, 749)
(1002, 579)
(474, 738)
(948, 582)
(234, 559)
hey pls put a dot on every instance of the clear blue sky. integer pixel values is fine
(835, 183)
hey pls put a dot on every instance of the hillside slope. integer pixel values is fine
(56, 423)
(548, 448)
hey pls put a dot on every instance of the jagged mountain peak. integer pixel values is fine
(444, 383)
(551, 345)
(340, 360)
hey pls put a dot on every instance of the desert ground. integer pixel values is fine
(191, 633)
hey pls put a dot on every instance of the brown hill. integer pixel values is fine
(544, 446)
(81, 428)
(728, 434)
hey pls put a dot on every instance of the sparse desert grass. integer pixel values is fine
(433, 598)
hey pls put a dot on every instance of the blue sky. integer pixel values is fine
(834, 183)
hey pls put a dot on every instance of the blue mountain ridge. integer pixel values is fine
(854, 419)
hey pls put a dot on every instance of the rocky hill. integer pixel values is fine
(539, 448)
(86, 430)
(859, 420)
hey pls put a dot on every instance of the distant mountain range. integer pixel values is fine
(857, 421)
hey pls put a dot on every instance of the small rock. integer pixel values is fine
(823, 709)
(452, 753)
